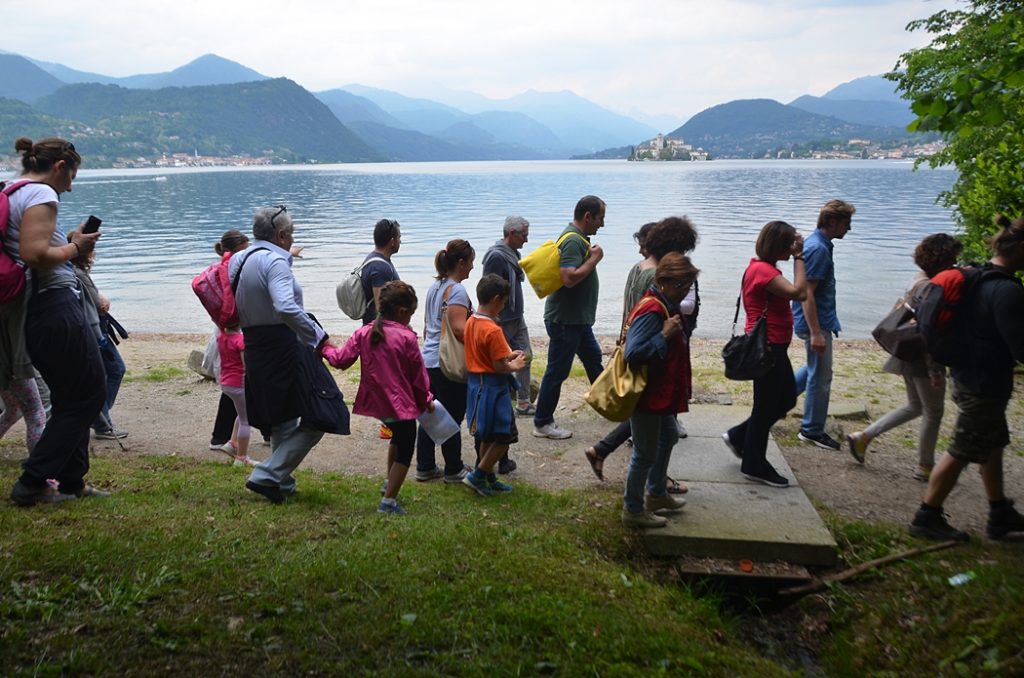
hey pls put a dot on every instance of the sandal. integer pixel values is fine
(596, 463)
(675, 487)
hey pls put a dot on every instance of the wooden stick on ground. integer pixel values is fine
(821, 584)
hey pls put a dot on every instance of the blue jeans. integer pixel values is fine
(816, 379)
(113, 365)
(290, 442)
(654, 436)
(564, 342)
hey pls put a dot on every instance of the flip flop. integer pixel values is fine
(596, 463)
(676, 487)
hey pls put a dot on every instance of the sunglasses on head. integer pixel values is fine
(280, 209)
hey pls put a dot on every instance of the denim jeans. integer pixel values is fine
(113, 365)
(815, 378)
(654, 436)
(517, 334)
(564, 342)
(290, 442)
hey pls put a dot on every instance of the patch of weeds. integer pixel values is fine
(157, 374)
(184, 392)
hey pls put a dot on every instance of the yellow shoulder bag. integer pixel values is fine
(543, 265)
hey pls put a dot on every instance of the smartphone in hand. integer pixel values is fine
(92, 224)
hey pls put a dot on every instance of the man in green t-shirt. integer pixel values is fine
(569, 315)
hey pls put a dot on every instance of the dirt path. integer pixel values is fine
(175, 416)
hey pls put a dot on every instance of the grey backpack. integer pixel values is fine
(351, 293)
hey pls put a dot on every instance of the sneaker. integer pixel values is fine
(478, 483)
(933, 525)
(552, 431)
(923, 473)
(496, 485)
(822, 440)
(23, 495)
(642, 520)
(681, 429)
(244, 460)
(391, 507)
(229, 449)
(272, 492)
(426, 476)
(858, 446)
(654, 503)
(91, 491)
(216, 444)
(455, 478)
(112, 434)
(1004, 520)
(769, 476)
(385, 432)
(526, 411)
(732, 448)
(506, 466)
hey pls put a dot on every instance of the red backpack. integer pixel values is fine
(214, 291)
(12, 274)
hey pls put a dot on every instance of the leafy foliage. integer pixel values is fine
(967, 84)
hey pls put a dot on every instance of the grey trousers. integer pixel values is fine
(518, 337)
(290, 442)
(925, 401)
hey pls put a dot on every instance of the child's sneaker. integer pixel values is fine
(244, 460)
(923, 473)
(391, 506)
(229, 449)
(496, 485)
(478, 483)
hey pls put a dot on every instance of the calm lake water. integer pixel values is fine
(159, 226)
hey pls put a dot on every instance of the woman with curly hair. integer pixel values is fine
(925, 379)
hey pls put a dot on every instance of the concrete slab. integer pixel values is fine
(730, 517)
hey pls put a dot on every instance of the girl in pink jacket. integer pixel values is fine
(393, 384)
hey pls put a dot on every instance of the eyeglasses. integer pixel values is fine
(280, 208)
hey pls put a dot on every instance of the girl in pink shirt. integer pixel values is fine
(232, 382)
(393, 384)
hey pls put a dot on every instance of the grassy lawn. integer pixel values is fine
(184, 572)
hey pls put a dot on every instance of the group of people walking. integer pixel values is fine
(475, 356)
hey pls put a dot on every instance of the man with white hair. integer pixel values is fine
(276, 329)
(502, 259)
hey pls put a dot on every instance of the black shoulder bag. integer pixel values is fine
(748, 356)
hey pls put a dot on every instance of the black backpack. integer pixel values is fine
(943, 312)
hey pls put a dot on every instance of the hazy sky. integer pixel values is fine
(669, 57)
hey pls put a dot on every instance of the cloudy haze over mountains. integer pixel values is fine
(664, 58)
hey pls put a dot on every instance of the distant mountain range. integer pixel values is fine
(215, 106)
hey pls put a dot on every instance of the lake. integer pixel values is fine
(159, 226)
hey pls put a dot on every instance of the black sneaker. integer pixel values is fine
(933, 525)
(506, 466)
(822, 440)
(1003, 521)
(271, 492)
(769, 476)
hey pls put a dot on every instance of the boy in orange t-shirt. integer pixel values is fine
(490, 363)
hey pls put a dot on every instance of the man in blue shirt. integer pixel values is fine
(377, 267)
(815, 321)
(276, 328)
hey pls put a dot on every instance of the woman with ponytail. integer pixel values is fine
(58, 338)
(446, 297)
(393, 385)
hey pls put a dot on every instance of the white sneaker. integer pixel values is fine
(553, 431)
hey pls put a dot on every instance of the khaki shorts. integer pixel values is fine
(980, 429)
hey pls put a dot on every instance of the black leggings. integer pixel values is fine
(453, 396)
(403, 437)
(774, 396)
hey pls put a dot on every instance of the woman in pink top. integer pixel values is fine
(393, 384)
(765, 291)
(231, 346)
